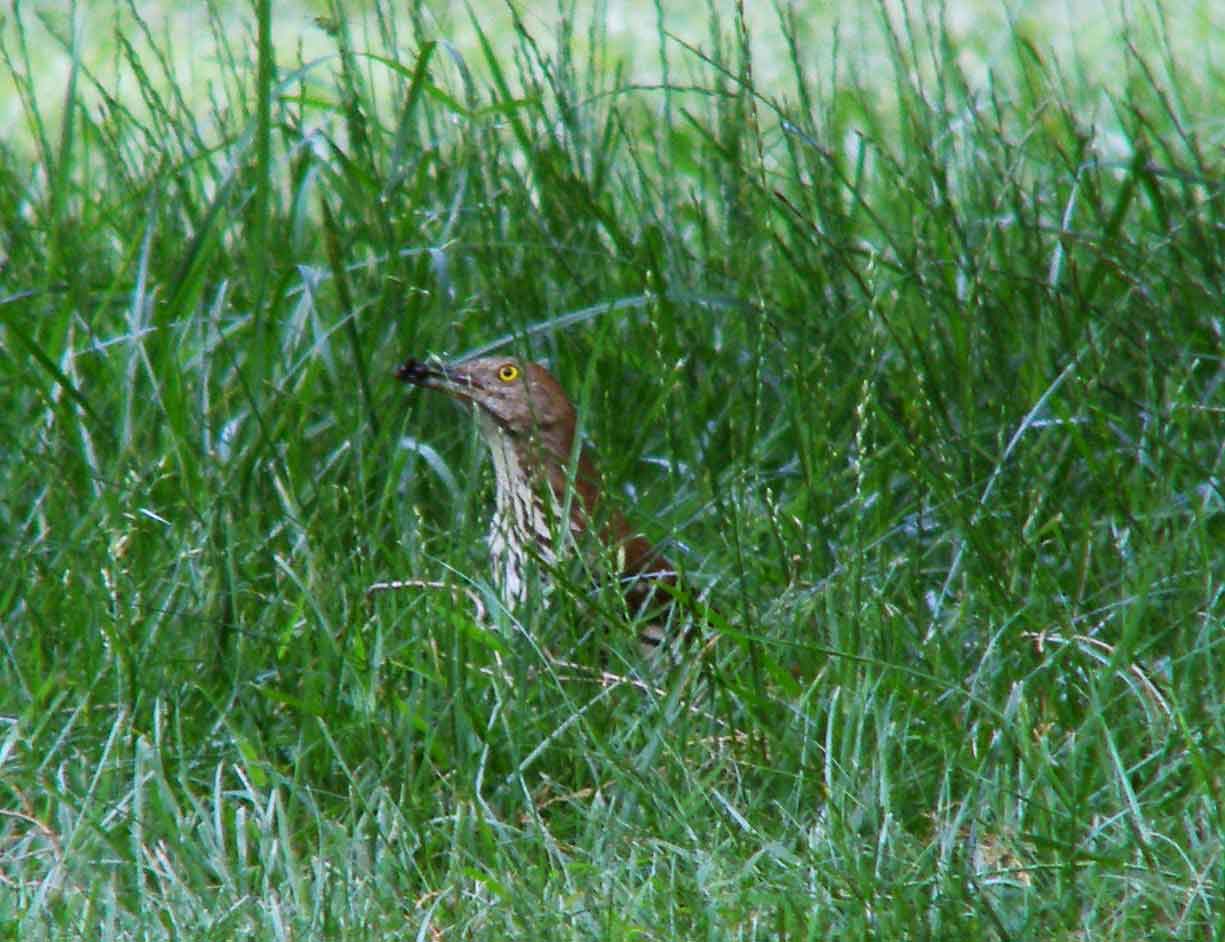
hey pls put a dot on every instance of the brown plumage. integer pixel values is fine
(529, 424)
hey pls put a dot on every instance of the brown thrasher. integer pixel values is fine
(529, 424)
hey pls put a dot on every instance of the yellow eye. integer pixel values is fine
(508, 372)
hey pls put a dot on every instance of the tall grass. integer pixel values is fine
(923, 389)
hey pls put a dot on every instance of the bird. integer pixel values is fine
(540, 474)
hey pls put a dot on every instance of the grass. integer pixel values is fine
(924, 389)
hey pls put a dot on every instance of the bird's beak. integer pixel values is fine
(438, 376)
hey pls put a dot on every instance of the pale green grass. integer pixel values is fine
(982, 33)
(912, 354)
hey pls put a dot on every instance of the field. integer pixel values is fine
(899, 325)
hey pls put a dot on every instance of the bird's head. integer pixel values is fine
(519, 397)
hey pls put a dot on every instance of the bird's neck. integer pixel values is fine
(540, 458)
(527, 508)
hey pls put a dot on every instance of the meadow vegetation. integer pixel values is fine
(916, 369)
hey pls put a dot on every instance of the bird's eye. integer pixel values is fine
(508, 372)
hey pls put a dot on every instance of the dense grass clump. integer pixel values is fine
(916, 365)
